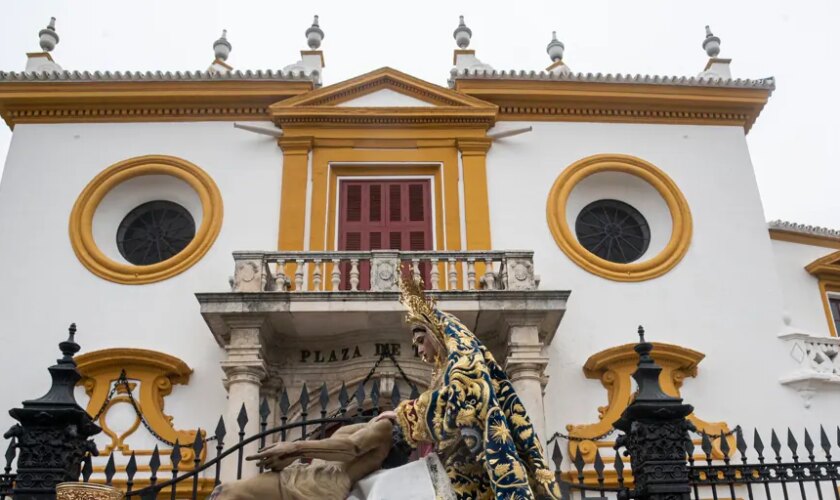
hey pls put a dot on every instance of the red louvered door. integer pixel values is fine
(383, 214)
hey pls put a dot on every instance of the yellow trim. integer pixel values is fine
(293, 192)
(81, 219)
(614, 367)
(78, 101)
(156, 373)
(827, 270)
(476, 198)
(556, 100)
(681, 228)
(804, 239)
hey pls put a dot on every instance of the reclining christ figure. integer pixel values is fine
(353, 452)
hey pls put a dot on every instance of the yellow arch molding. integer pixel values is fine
(81, 219)
(681, 228)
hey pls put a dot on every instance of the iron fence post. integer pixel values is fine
(655, 434)
(53, 432)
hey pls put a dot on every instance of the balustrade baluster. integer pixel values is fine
(316, 275)
(354, 274)
(415, 269)
(336, 274)
(280, 277)
(435, 274)
(299, 267)
(489, 276)
(452, 273)
(471, 274)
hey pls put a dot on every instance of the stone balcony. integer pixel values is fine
(818, 360)
(301, 319)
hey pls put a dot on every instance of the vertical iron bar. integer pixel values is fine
(827, 448)
(110, 470)
(324, 399)
(198, 446)
(304, 410)
(728, 471)
(284, 413)
(175, 457)
(813, 468)
(130, 471)
(693, 474)
(796, 469)
(763, 470)
(711, 474)
(154, 465)
(777, 449)
(741, 444)
(265, 411)
(221, 431)
(87, 468)
(241, 420)
(579, 465)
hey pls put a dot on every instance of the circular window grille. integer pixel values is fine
(154, 232)
(613, 230)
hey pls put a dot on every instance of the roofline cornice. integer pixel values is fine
(71, 101)
(623, 102)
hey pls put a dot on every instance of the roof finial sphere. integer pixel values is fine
(314, 35)
(48, 36)
(462, 34)
(222, 47)
(711, 44)
(555, 48)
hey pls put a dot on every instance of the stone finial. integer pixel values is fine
(711, 44)
(314, 35)
(222, 47)
(48, 36)
(462, 34)
(555, 48)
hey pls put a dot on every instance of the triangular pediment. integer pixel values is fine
(384, 97)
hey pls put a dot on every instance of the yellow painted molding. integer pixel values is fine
(319, 107)
(156, 373)
(81, 219)
(546, 100)
(804, 239)
(827, 271)
(681, 223)
(476, 197)
(142, 101)
(291, 232)
(614, 368)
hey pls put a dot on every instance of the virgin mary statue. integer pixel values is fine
(471, 414)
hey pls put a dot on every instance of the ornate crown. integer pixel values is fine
(421, 309)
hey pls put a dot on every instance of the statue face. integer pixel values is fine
(426, 347)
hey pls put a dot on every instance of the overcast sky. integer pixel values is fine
(794, 144)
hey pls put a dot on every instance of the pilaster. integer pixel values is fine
(525, 366)
(293, 191)
(476, 199)
(244, 371)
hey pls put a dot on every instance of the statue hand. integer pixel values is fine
(390, 415)
(276, 456)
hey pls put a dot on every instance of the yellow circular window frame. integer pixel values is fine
(81, 219)
(681, 226)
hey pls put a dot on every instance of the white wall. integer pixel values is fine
(46, 288)
(723, 299)
(801, 291)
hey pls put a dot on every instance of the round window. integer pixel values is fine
(154, 232)
(613, 230)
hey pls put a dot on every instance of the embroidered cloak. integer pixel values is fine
(475, 403)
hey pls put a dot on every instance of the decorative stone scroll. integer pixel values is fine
(614, 368)
(151, 377)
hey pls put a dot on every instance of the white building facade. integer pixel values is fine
(225, 235)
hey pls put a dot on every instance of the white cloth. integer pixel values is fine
(423, 479)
